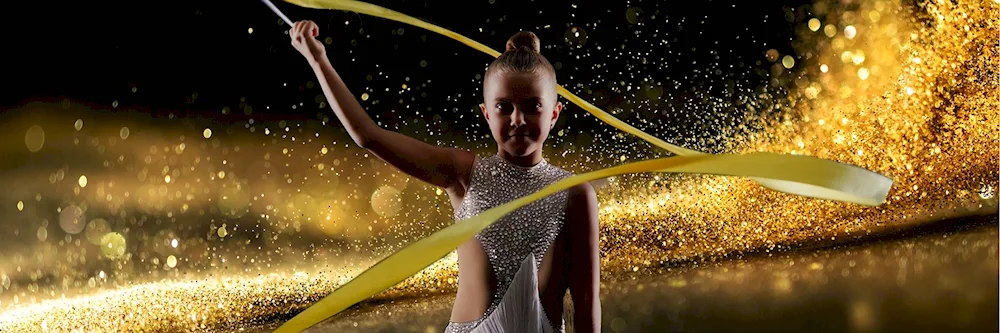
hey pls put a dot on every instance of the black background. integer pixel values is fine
(97, 51)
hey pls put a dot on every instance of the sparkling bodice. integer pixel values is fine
(530, 229)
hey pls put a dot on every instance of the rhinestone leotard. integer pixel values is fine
(527, 231)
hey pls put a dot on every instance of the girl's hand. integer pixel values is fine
(303, 35)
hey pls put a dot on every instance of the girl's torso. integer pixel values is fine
(491, 260)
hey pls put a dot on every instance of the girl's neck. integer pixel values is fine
(527, 161)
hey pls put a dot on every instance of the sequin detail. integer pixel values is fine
(463, 327)
(530, 229)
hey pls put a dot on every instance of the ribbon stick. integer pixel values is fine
(793, 174)
(278, 11)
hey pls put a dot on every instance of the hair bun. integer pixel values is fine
(524, 40)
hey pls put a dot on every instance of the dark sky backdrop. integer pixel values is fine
(97, 51)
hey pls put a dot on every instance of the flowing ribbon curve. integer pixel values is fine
(793, 174)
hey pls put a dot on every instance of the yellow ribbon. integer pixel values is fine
(799, 175)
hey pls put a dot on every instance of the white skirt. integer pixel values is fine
(520, 309)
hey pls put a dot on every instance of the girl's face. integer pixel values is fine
(521, 108)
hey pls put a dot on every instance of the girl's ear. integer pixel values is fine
(482, 107)
(556, 111)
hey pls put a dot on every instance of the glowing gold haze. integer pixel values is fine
(189, 228)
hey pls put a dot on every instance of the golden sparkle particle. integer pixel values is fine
(166, 179)
(207, 133)
(20, 206)
(386, 201)
(249, 30)
(814, 24)
(83, 181)
(788, 61)
(986, 192)
(222, 231)
(874, 15)
(78, 125)
(830, 30)
(113, 245)
(850, 32)
(772, 55)
(863, 73)
(34, 138)
(171, 261)
(858, 57)
(123, 133)
(72, 219)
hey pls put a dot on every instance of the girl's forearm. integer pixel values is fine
(356, 121)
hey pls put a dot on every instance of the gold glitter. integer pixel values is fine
(83, 181)
(123, 133)
(171, 261)
(166, 179)
(927, 106)
(986, 192)
(78, 125)
(249, 30)
(20, 205)
(207, 133)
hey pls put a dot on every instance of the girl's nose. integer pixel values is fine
(516, 118)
